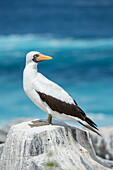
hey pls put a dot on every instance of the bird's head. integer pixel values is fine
(35, 56)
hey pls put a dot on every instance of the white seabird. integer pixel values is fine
(49, 96)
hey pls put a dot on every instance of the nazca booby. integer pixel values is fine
(49, 96)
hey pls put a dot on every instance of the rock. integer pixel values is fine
(104, 146)
(5, 129)
(50, 147)
(1, 149)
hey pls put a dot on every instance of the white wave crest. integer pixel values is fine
(47, 41)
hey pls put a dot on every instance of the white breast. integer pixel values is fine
(28, 80)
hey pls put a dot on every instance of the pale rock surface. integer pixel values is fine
(104, 146)
(1, 149)
(58, 146)
(5, 129)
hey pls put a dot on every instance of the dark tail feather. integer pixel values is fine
(90, 128)
(91, 123)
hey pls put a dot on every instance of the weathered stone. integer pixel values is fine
(104, 146)
(50, 147)
(1, 149)
(5, 129)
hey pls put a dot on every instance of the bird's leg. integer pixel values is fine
(41, 123)
(49, 120)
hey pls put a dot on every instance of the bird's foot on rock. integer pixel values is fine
(38, 123)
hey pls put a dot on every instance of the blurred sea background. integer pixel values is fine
(77, 34)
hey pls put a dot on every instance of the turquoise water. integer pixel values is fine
(83, 67)
(77, 34)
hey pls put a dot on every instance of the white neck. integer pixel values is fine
(29, 74)
(32, 67)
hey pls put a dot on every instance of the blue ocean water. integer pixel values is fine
(77, 34)
(84, 68)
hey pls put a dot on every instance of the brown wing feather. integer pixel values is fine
(67, 108)
(62, 107)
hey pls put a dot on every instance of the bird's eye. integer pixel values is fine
(35, 56)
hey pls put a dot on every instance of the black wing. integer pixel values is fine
(67, 108)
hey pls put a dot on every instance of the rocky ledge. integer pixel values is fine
(57, 146)
(104, 146)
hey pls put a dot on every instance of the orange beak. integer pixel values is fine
(43, 57)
